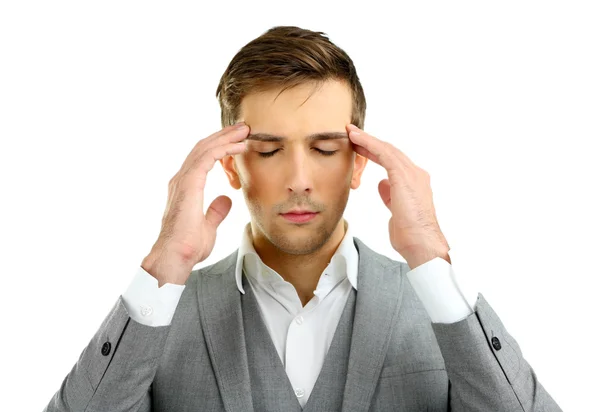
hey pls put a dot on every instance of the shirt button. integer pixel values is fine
(146, 310)
(299, 320)
(299, 392)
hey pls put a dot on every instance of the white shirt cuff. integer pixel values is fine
(147, 303)
(447, 297)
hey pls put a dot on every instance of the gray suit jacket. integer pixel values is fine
(386, 355)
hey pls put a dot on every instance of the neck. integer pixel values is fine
(302, 271)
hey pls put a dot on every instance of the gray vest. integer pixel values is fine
(271, 388)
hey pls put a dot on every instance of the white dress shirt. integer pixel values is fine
(296, 331)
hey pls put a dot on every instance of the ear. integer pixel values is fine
(229, 166)
(360, 162)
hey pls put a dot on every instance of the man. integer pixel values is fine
(302, 316)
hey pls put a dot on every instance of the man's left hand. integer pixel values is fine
(414, 229)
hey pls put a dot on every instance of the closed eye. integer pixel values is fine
(323, 152)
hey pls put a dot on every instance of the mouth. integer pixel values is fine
(299, 217)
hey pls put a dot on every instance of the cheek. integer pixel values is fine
(341, 167)
(253, 175)
(256, 171)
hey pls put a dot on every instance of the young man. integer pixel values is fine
(302, 316)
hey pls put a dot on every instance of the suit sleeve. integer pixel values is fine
(486, 368)
(116, 369)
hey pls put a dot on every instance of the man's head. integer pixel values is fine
(288, 85)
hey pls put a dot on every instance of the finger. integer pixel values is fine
(218, 210)
(378, 151)
(230, 136)
(194, 178)
(389, 156)
(365, 153)
(226, 131)
(207, 160)
(385, 191)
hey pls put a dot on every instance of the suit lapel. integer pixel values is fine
(220, 310)
(378, 301)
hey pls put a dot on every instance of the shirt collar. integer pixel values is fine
(345, 255)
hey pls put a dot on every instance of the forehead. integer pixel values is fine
(300, 111)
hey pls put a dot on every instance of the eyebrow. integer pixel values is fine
(266, 137)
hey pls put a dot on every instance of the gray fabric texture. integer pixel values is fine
(386, 355)
(267, 374)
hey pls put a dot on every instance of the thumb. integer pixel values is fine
(218, 211)
(385, 193)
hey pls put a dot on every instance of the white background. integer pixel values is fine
(101, 102)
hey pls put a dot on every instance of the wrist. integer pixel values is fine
(167, 268)
(418, 256)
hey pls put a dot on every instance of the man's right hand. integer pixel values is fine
(187, 236)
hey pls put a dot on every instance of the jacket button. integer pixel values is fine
(106, 348)
(496, 343)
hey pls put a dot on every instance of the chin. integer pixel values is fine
(300, 240)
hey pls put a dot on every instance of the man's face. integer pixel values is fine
(298, 175)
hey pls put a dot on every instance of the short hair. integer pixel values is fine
(284, 57)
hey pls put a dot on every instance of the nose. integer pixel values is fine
(299, 173)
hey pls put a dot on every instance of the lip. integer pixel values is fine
(300, 211)
(299, 217)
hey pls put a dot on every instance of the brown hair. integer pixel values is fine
(284, 57)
